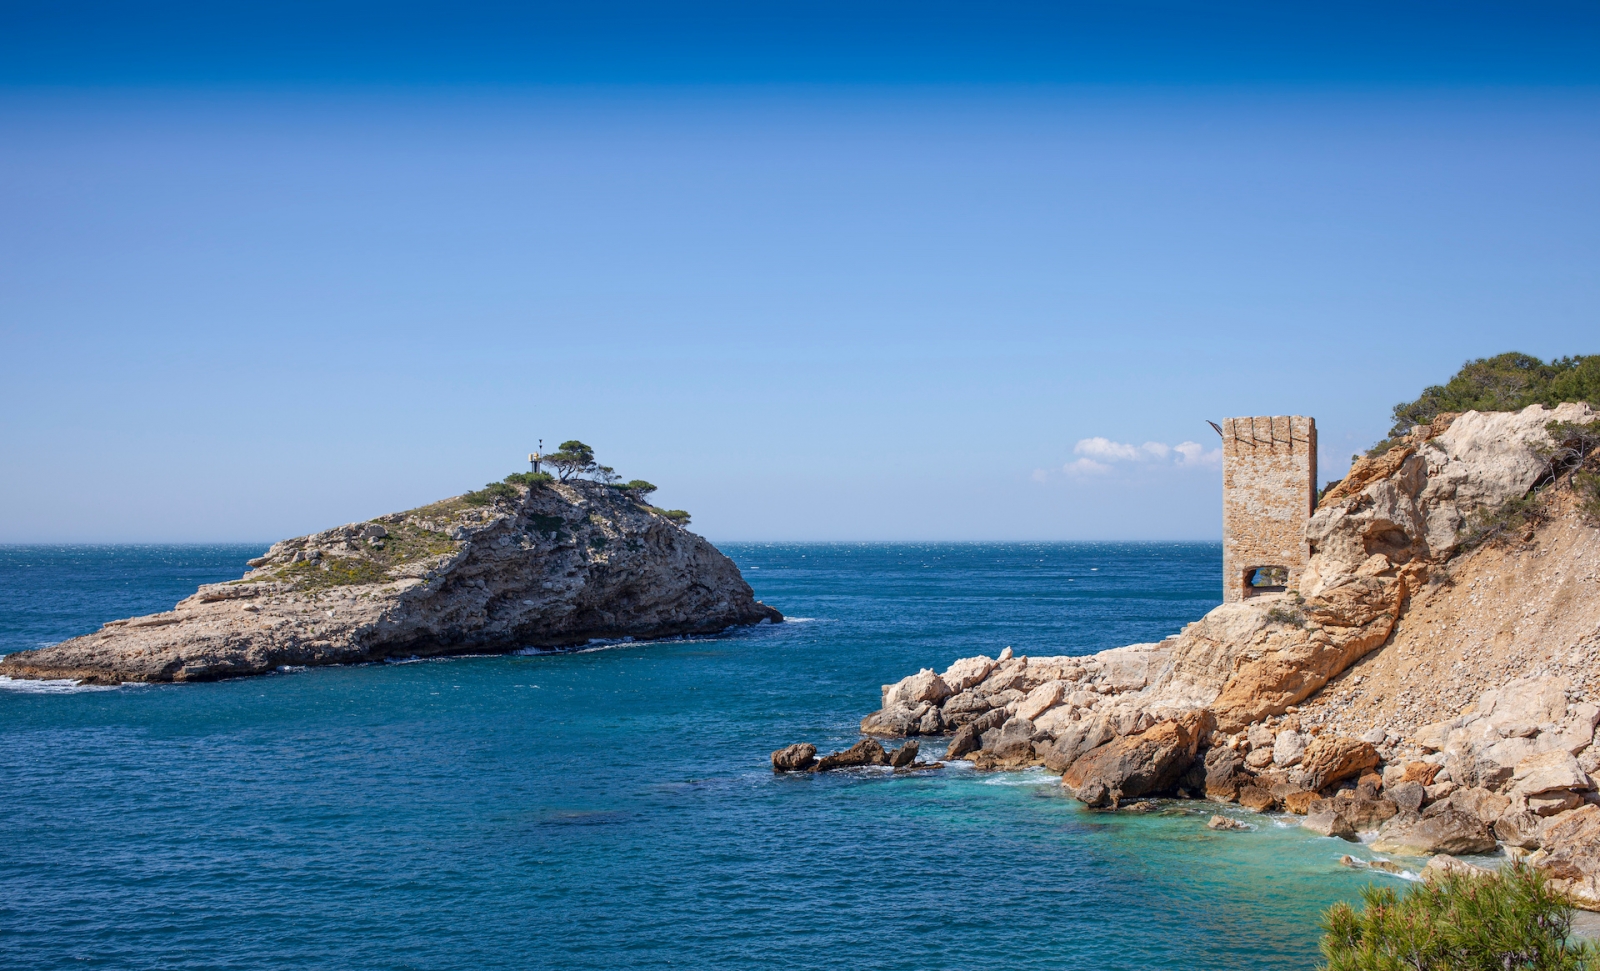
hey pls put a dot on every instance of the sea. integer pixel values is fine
(614, 806)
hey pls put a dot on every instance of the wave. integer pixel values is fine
(54, 686)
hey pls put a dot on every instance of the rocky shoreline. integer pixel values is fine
(542, 565)
(1316, 702)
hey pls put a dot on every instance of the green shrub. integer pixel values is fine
(637, 488)
(1510, 920)
(490, 493)
(1587, 486)
(1505, 382)
(1513, 517)
(676, 515)
(530, 479)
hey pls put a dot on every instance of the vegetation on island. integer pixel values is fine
(1510, 919)
(572, 460)
(1505, 382)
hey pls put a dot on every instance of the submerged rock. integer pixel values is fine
(550, 566)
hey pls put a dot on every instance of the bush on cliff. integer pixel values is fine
(1505, 382)
(1510, 920)
(530, 479)
(489, 493)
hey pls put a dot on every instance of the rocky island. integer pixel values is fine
(525, 563)
(1429, 669)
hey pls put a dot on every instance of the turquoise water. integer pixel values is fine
(614, 807)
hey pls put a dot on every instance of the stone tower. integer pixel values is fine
(1269, 489)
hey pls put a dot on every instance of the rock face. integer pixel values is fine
(1137, 765)
(554, 566)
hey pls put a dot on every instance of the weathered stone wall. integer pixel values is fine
(1269, 489)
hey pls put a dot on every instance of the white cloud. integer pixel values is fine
(1086, 467)
(1101, 455)
(1193, 453)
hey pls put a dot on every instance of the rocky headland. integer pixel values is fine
(1435, 677)
(546, 564)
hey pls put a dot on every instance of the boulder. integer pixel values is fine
(1299, 802)
(1224, 773)
(1132, 766)
(967, 672)
(896, 722)
(1407, 796)
(1328, 760)
(1289, 748)
(1451, 831)
(1444, 865)
(930, 723)
(915, 689)
(965, 742)
(1041, 699)
(904, 755)
(1571, 856)
(1260, 737)
(865, 752)
(1548, 771)
(1421, 773)
(1224, 823)
(1553, 802)
(1080, 738)
(1257, 799)
(1259, 758)
(1361, 812)
(1328, 823)
(1522, 830)
(794, 758)
(1487, 806)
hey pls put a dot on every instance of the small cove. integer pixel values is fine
(613, 807)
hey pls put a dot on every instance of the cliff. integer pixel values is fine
(1421, 680)
(548, 566)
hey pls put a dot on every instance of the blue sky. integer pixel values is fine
(935, 271)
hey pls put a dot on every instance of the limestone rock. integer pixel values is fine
(1407, 796)
(1329, 823)
(1224, 768)
(865, 752)
(1328, 760)
(1522, 830)
(1225, 824)
(1360, 812)
(1571, 856)
(895, 722)
(1553, 802)
(1132, 766)
(1288, 748)
(1444, 865)
(924, 686)
(1549, 771)
(1299, 803)
(1080, 738)
(967, 672)
(904, 755)
(1486, 805)
(1257, 799)
(965, 741)
(441, 582)
(1451, 831)
(1041, 700)
(794, 758)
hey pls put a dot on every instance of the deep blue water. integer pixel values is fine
(614, 808)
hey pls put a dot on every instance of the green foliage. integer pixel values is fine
(1505, 382)
(637, 488)
(530, 479)
(332, 572)
(1510, 920)
(1587, 486)
(575, 458)
(676, 515)
(490, 493)
(1511, 518)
